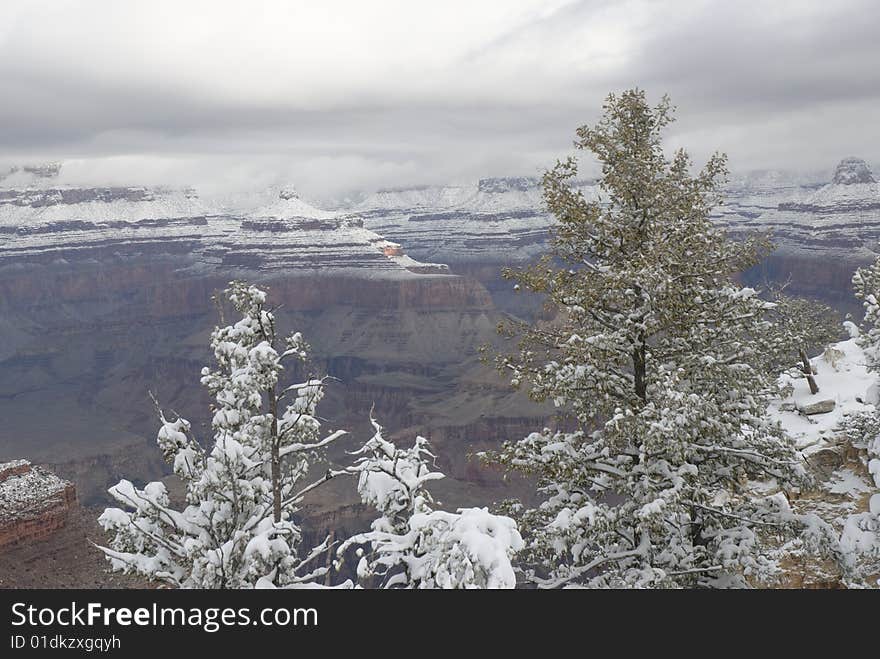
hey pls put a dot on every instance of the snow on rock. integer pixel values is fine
(264, 232)
(836, 199)
(493, 219)
(852, 171)
(502, 219)
(843, 378)
(819, 407)
(505, 219)
(846, 481)
(844, 207)
(34, 502)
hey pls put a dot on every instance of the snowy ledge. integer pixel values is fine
(29, 491)
(843, 377)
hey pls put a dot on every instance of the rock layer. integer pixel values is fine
(822, 231)
(851, 171)
(34, 502)
(106, 295)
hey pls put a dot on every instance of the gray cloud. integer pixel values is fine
(341, 95)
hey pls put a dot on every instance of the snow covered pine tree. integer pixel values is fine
(658, 359)
(413, 546)
(866, 285)
(237, 530)
(861, 534)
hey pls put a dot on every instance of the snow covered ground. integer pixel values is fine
(849, 487)
(842, 377)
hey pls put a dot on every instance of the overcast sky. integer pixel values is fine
(338, 95)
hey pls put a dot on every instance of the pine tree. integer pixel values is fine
(861, 533)
(238, 529)
(860, 536)
(866, 285)
(657, 361)
(411, 545)
(801, 324)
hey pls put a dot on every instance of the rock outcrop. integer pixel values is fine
(495, 220)
(40, 224)
(852, 171)
(506, 184)
(852, 191)
(822, 230)
(819, 407)
(34, 502)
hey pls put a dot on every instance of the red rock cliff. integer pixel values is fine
(34, 503)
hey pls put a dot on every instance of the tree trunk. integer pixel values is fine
(639, 370)
(327, 577)
(639, 352)
(276, 457)
(808, 372)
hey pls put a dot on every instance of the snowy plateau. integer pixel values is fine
(493, 221)
(49, 224)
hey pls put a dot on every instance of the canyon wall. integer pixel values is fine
(85, 340)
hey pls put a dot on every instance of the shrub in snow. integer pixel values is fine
(861, 532)
(244, 488)
(866, 285)
(860, 537)
(413, 546)
(664, 366)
